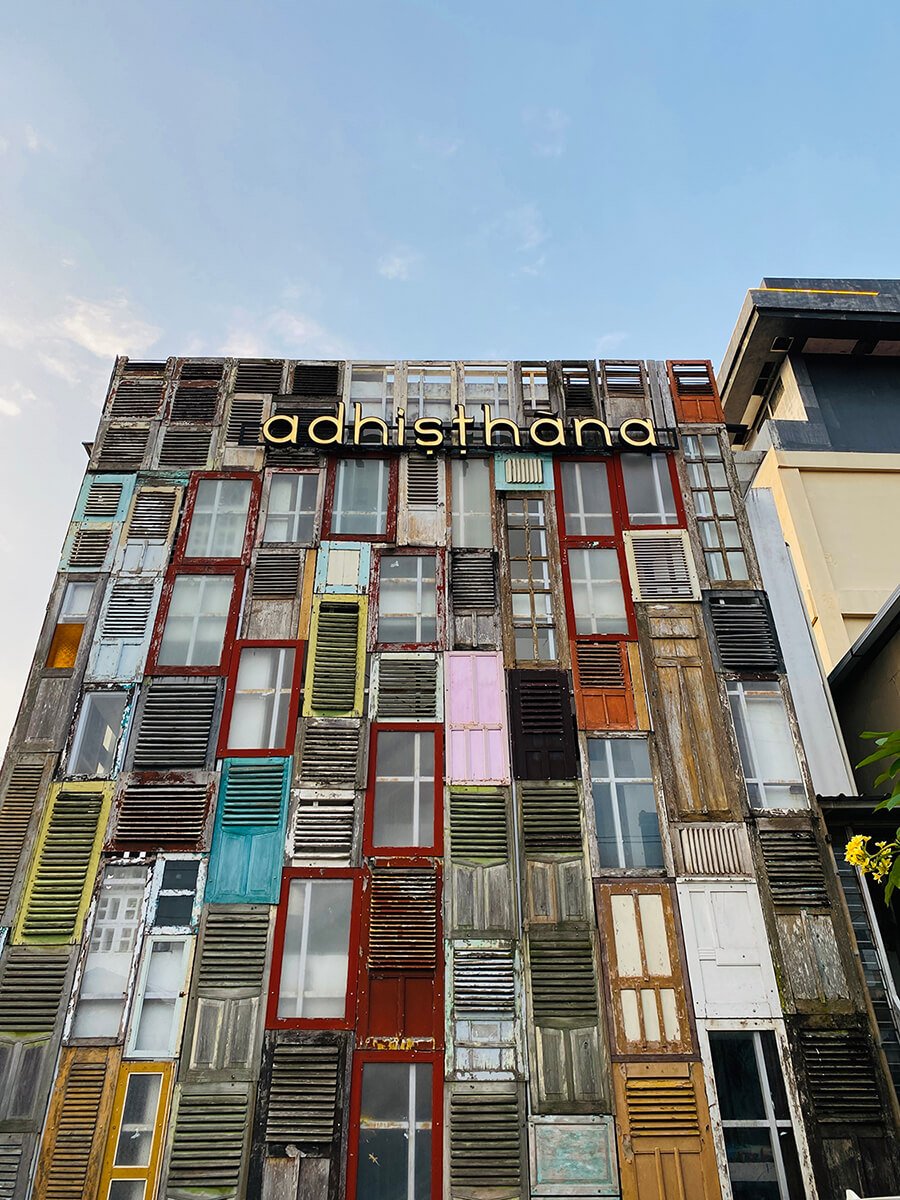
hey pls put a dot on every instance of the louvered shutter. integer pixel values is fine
(275, 576)
(316, 379)
(406, 687)
(694, 391)
(473, 580)
(12, 1158)
(604, 697)
(104, 498)
(403, 920)
(841, 1076)
(423, 481)
(138, 397)
(126, 622)
(75, 1130)
(89, 549)
(330, 755)
(551, 819)
(334, 674)
(123, 447)
(563, 983)
(233, 950)
(304, 1093)
(709, 848)
(175, 725)
(486, 1126)
(64, 866)
(480, 882)
(323, 830)
(195, 402)
(248, 839)
(200, 370)
(555, 885)
(623, 379)
(660, 565)
(743, 632)
(523, 472)
(161, 812)
(209, 1139)
(484, 978)
(32, 986)
(23, 787)
(477, 738)
(259, 375)
(578, 392)
(151, 517)
(185, 448)
(794, 868)
(245, 420)
(543, 725)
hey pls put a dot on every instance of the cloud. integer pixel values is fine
(398, 265)
(608, 342)
(34, 143)
(524, 227)
(282, 331)
(107, 329)
(547, 127)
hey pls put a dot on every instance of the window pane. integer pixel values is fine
(104, 984)
(624, 803)
(586, 499)
(395, 1132)
(219, 519)
(164, 985)
(404, 790)
(751, 1164)
(175, 901)
(407, 599)
(316, 948)
(138, 1119)
(360, 496)
(127, 1189)
(737, 1077)
(76, 601)
(262, 697)
(597, 596)
(648, 489)
(471, 503)
(772, 739)
(196, 621)
(291, 513)
(97, 736)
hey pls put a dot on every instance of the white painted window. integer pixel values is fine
(471, 503)
(177, 890)
(407, 599)
(360, 496)
(262, 698)
(107, 967)
(648, 489)
(160, 997)
(768, 754)
(586, 499)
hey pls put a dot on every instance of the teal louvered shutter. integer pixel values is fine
(248, 839)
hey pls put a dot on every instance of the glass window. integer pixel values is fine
(316, 949)
(395, 1149)
(486, 385)
(262, 698)
(97, 734)
(404, 789)
(70, 625)
(471, 503)
(156, 1020)
(219, 519)
(291, 513)
(714, 506)
(624, 803)
(177, 895)
(530, 583)
(648, 489)
(104, 983)
(360, 496)
(597, 597)
(535, 391)
(195, 623)
(135, 1140)
(373, 389)
(407, 599)
(768, 755)
(429, 392)
(759, 1134)
(586, 502)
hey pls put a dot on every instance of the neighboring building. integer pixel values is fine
(390, 822)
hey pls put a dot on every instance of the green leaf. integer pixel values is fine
(893, 881)
(871, 735)
(884, 752)
(888, 803)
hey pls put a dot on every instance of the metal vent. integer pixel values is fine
(162, 813)
(259, 375)
(208, 1140)
(63, 867)
(485, 1139)
(661, 1108)
(484, 979)
(151, 517)
(137, 398)
(406, 687)
(15, 816)
(403, 912)
(479, 827)
(185, 448)
(253, 793)
(103, 500)
(89, 548)
(713, 849)
(244, 422)
(523, 468)
(275, 576)
(195, 370)
(423, 481)
(233, 952)
(329, 757)
(127, 609)
(175, 725)
(562, 978)
(794, 868)
(316, 379)
(661, 566)
(324, 832)
(551, 818)
(335, 664)
(623, 379)
(841, 1076)
(473, 581)
(124, 447)
(75, 1129)
(303, 1095)
(31, 989)
(600, 664)
(744, 633)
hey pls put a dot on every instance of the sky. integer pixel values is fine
(406, 179)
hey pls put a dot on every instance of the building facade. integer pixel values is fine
(410, 800)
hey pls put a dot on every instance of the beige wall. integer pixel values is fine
(840, 514)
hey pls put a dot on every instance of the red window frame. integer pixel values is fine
(179, 556)
(360, 1058)
(390, 530)
(224, 750)
(618, 499)
(413, 852)
(206, 567)
(626, 522)
(266, 490)
(273, 1021)
(440, 620)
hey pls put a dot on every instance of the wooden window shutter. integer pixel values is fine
(316, 379)
(481, 897)
(473, 580)
(713, 849)
(233, 950)
(275, 576)
(123, 447)
(403, 920)
(623, 379)
(694, 391)
(199, 370)
(563, 984)
(248, 839)
(89, 548)
(259, 375)
(75, 1129)
(195, 404)
(23, 787)
(841, 1076)
(245, 420)
(479, 827)
(486, 1124)
(551, 819)
(330, 754)
(484, 978)
(406, 687)
(744, 633)
(151, 517)
(604, 696)
(64, 866)
(543, 725)
(555, 891)
(175, 726)
(138, 397)
(128, 609)
(211, 1126)
(476, 718)
(423, 481)
(660, 565)
(323, 830)
(103, 499)
(160, 812)
(185, 448)
(794, 868)
(303, 1095)
(32, 985)
(12, 1159)
(578, 391)
(334, 673)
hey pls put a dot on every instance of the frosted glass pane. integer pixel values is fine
(316, 947)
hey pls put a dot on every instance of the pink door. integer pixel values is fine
(477, 738)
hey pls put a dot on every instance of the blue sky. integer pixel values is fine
(406, 179)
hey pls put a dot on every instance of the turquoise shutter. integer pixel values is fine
(248, 839)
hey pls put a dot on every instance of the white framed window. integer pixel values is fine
(97, 734)
(292, 506)
(407, 599)
(176, 892)
(429, 392)
(766, 745)
(316, 951)
(372, 387)
(625, 812)
(196, 621)
(360, 496)
(470, 503)
(111, 949)
(160, 997)
(534, 622)
(535, 390)
(486, 385)
(404, 802)
(598, 600)
(714, 507)
(586, 499)
(219, 519)
(395, 1124)
(262, 698)
(648, 489)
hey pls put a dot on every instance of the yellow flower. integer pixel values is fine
(855, 851)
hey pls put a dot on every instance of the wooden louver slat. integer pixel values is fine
(407, 687)
(551, 819)
(662, 1107)
(233, 950)
(329, 756)
(103, 499)
(151, 517)
(485, 1138)
(73, 1136)
(123, 447)
(423, 489)
(61, 873)
(244, 422)
(478, 825)
(708, 849)
(543, 725)
(161, 814)
(315, 379)
(473, 581)
(324, 832)
(662, 568)
(623, 379)
(744, 633)
(195, 404)
(137, 397)
(303, 1095)
(600, 664)
(275, 576)
(10, 1160)
(185, 447)
(562, 978)
(692, 380)
(128, 609)
(252, 793)
(197, 370)
(208, 1139)
(841, 1075)
(31, 989)
(89, 548)
(259, 375)
(175, 727)
(577, 391)
(15, 816)
(334, 680)
(794, 868)
(484, 979)
(403, 920)
(524, 468)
